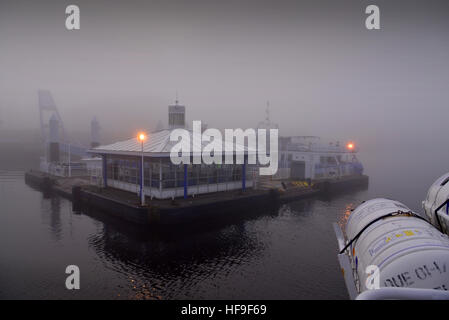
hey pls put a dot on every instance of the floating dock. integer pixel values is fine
(125, 205)
(342, 184)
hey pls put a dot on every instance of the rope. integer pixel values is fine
(391, 214)
(436, 213)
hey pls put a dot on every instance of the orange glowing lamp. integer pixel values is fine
(350, 146)
(141, 137)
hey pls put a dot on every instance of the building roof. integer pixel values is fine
(157, 144)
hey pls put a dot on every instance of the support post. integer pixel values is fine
(70, 160)
(198, 180)
(185, 181)
(142, 180)
(244, 174)
(176, 182)
(160, 178)
(105, 171)
(151, 179)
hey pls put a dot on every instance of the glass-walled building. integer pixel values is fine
(121, 166)
(163, 179)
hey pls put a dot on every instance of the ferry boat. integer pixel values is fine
(307, 158)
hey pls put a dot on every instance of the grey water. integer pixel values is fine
(287, 253)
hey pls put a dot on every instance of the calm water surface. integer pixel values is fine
(289, 253)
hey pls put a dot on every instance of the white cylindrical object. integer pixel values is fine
(408, 251)
(436, 196)
(404, 294)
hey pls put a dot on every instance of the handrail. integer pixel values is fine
(403, 294)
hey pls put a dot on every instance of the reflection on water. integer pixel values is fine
(286, 253)
(51, 212)
(175, 262)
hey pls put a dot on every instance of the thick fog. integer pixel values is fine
(323, 72)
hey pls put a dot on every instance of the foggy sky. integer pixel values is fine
(322, 71)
